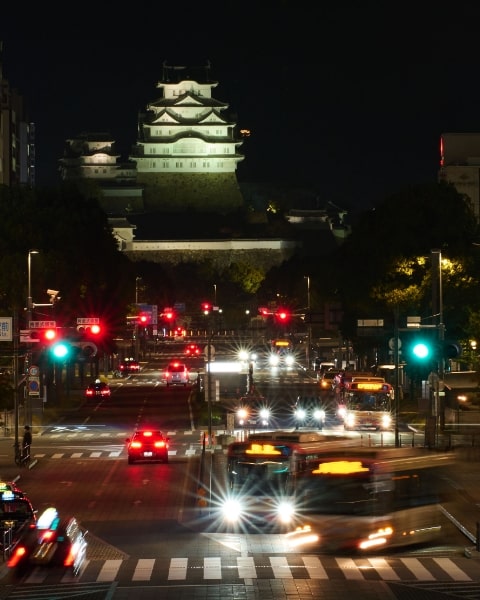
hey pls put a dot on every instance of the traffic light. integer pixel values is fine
(206, 307)
(451, 349)
(143, 319)
(422, 350)
(283, 315)
(46, 336)
(61, 350)
(93, 330)
(168, 314)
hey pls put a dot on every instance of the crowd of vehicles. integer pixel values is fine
(330, 494)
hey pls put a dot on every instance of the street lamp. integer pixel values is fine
(28, 354)
(29, 287)
(309, 317)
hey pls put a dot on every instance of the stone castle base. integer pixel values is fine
(209, 192)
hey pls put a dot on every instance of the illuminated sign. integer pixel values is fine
(371, 386)
(281, 343)
(340, 467)
(263, 449)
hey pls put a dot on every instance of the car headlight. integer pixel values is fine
(386, 420)
(274, 360)
(349, 419)
(285, 512)
(232, 510)
(300, 414)
(243, 355)
(289, 360)
(264, 414)
(319, 415)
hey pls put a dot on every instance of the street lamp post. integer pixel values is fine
(28, 354)
(309, 328)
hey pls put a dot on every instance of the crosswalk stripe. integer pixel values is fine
(384, 569)
(418, 570)
(212, 567)
(109, 570)
(246, 567)
(349, 568)
(452, 569)
(314, 567)
(280, 567)
(143, 570)
(178, 569)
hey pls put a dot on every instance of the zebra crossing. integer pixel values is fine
(244, 569)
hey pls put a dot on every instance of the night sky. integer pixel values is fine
(347, 98)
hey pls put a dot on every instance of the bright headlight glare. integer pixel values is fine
(285, 512)
(319, 415)
(264, 413)
(231, 510)
(274, 360)
(300, 414)
(289, 360)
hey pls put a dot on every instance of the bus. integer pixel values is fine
(260, 475)
(368, 404)
(281, 354)
(366, 499)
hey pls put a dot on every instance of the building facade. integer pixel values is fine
(17, 137)
(460, 165)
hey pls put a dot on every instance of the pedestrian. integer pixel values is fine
(27, 441)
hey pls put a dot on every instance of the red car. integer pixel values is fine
(193, 350)
(147, 445)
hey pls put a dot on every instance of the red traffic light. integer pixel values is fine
(44, 335)
(143, 319)
(90, 329)
(168, 314)
(206, 307)
(282, 315)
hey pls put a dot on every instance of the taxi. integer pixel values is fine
(55, 541)
(17, 516)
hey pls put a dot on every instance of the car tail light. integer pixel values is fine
(47, 536)
(136, 445)
(70, 558)
(20, 552)
(89, 392)
(160, 444)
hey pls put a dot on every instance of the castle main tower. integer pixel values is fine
(186, 151)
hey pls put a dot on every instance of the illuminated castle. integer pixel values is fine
(185, 156)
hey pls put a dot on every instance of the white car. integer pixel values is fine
(177, 374)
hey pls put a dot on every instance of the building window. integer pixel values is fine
(179, 165)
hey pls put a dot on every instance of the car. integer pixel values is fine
(252, 412)
(55, 541)
(309, 411)
(98, 389)
(193, 350)
(147, 445)
(326, 380)
(128, 366)
(17, 517)
(177, 374)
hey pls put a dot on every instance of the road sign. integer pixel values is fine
(34, 386)
(25, 337)
(41, 324)
(88, 321)
(34, 371)
(6, 332)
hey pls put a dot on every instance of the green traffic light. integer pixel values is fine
(60, 350)
(421, 350)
